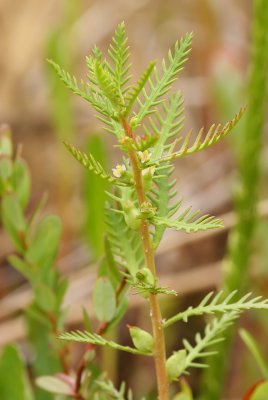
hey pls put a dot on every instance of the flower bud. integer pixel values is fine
(147, 177)
(175, 364)
(142, 340)
(145, 275)
(134, 123)
(131, 214)
(147, 209)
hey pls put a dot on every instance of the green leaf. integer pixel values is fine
(218, 304)
(125, 243)
(54, 384)
(113, 273)
(175, 364)
(211, 337)
(39, 333)
(188, 222)
(104, 300)
(160, 197)
(5, 173)
(14, 221)
(214, 135)
(163, 83)
(121, 309)
(261, 392)
(119, 55)
(107, 84)
(101, 104)
(21, 182)
(6, 146)
(43, 247)
(21, 266)
(45, 297)
(135, 91)
(89, 162)
(86, 337)
(110, 392)
(167, 124)
(14, 382)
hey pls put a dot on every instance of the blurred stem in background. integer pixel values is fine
(94, 198)
(248, 156)
(94, 228)
(61, 48)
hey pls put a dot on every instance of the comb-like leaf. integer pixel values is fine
(187, 222)
(166, 124)
(119, 55)
(160, 197)
(218, 304)
(149, 101)
(135, 91)
(103, 79)
(96, 99)
(212, 330)
(125, 242)
(93, 338)
(214, 135)
(89, 162)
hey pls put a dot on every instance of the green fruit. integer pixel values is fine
(142, 340)
(144, 275)
(175, 364)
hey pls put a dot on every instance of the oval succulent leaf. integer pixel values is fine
(104, 300)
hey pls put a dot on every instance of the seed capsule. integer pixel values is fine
(175, 364)
(142, 340)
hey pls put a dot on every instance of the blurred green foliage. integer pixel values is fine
(248, 152)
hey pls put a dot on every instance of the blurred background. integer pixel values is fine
(41, 114)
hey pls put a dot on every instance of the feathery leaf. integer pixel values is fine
(187, 222)
(119, 55)
(160, 197)
(162, 84)
(85, 91)
(95, 339)
(212, 330)
(134, 91)
(104, 81)
(89, 162)
(125, 243)
(214, 135)
(217, 304)
(166, 125)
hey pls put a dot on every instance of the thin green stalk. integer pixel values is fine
(239, 247)
(156, 317)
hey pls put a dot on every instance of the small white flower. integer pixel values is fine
(119, 170)
(144, 156)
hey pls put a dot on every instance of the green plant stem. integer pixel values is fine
(155, 311)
